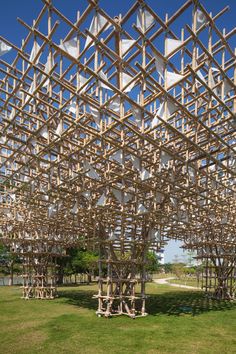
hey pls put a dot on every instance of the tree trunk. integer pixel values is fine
(11, 273)
(89, 278)
(60, 276)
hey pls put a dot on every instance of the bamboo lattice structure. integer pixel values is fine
(120, 135)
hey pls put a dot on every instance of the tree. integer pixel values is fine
(167, 267)
(153, 264)
(85, 262)
(190, 257)
(8, 262)
(78, 260)
(178, 269)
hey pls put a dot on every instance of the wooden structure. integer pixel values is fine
(215, 243)
(121, 135)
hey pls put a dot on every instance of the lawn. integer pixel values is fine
(162, 275)
(180, 321)
(186, 281)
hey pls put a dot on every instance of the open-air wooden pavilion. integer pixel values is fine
(119, 134)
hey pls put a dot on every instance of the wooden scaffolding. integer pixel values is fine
(120, 135)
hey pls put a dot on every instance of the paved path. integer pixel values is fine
(166, 282)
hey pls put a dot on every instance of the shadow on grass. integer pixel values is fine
(81, 298)
(185, 302)
(174, 303)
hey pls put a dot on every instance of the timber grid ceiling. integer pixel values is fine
(119, 129)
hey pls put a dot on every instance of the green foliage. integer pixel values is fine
(84, 261)
(178, 269)
(78, 261)
(167, 267)
(189, 271)
(9, 263)
(153, 264)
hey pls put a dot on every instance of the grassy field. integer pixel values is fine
(186, 281)
(180, 321)
(162, 275)
(191, 281)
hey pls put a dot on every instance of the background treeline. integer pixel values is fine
(81, 265)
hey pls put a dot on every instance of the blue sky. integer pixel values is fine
(29, 9)
(172, 249)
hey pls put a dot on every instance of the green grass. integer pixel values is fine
(186, 281)
(180, 321)
(162, 275)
